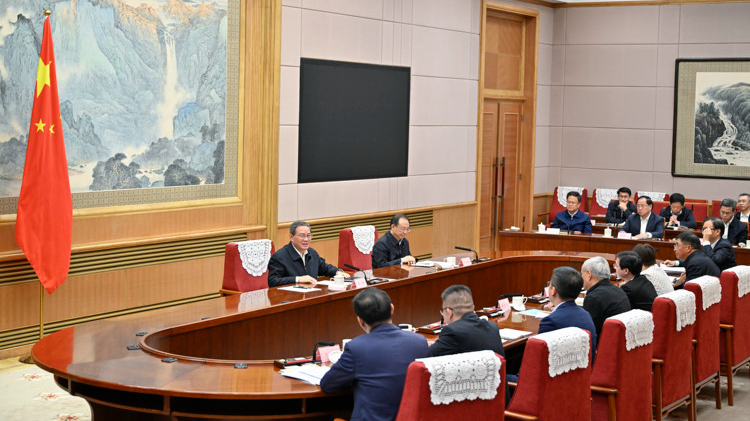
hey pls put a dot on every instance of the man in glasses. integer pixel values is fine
(619, 210)
(644, 223)
(696, 263)
(393, 248)
(297, 262)
(716, 247)
(734, 230)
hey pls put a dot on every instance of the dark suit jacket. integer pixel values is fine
(737, 231)
(722, 254)
(580, 222)
(286, 264)
(388, 252)
(685, 217)
(470, 333)
(605, 300)
(698, 264)
(569, 314)
(617, 215)
(641, 293)
(654, 225)
(374, 365)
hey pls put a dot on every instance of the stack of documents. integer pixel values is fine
(512, 334)
(310, 373)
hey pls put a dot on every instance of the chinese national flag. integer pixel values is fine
(44, 222)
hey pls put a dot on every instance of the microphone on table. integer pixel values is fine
(476, 255)
(523, 225)
(358, 270)
(566, 225)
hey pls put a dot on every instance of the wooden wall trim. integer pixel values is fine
(627, 3)
(389, 213)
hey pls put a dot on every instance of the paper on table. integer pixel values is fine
(310, 373)
(539, 314)
(512, 334)
(329, 283)
(296, 288)
(676, 269)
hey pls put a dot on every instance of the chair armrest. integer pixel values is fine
(225, 292)
(657, 361)
(513, 385)
(539, 217)
(723, 326)
(519, 416)
(603, 390)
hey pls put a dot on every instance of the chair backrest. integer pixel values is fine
(355, 246)
(600, 199)
(707, 290)
(658, 206)
(674, 347)
(700, 210)
(735, 310)
(691, 200)
(715, 208)
(416, 403)
(627, 370)
(559, 200)
(246, 265)
(655, 196)
(566, 396)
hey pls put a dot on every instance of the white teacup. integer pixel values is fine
(518, 301)
(541, 228)
(338, 279)
(451, 260)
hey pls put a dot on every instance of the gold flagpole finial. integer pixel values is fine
(47, 12)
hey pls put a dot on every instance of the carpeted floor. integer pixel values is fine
(28, 393)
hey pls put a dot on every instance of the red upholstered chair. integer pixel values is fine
(622, 371)
(658, 206)
(655, 196)
(416, 403)
(734, 341)
(564, 396)
(246, 266)
(700, 211)
(716, 208)
(355, 246)
(671, 353)
(707, 290)
(600, 199)
(559, 202)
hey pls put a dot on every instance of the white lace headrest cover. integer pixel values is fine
(639, 327)
(460, 377)
(364, 238)
(685, 303)
(568, 349)
(743, 276)
(710, 288)
(562, 193)
(255, 255)
(604, 196)
(654, 195)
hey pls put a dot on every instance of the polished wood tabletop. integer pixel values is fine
(208, 338)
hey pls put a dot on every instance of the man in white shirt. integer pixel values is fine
(734, 230)
(743, 202)
(644, 223)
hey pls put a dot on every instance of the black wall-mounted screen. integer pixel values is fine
(353, 121)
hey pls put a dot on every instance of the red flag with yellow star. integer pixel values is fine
(44, 220)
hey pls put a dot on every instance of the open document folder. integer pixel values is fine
(310, 373)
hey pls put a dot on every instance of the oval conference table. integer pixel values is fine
(208, 338)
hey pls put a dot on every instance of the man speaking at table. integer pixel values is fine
(297, 262)
(375, 364)
(393, 248)
(644, 223)
(571, 219)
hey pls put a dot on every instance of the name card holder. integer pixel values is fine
(624, 235)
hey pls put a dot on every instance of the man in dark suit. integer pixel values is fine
(618, 211)
(572, 219)
(687, 249)
(677, 215)
(393, 248)
(602, 298)
(640, 291)
(564, 287)
(734, 230)
(743, 204)
(374, 364)
(297, 262)
(717, 249)
(644, 223)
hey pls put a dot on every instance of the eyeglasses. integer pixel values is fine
(403, 229)
(442, 310)
(305, 236)
(726, 212)
(642, 206)
(708, 228)
(676, 246)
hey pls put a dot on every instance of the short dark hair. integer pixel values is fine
(690, 238)
(574, 194)
(744, 194)
(631, 261)
(461, 297)
(647, 253)
(624, 190)
(567, 281)
(677, 197)
(717, 222)
(373, 306)
(648, 200)
(729, 203)
(396, 218)
(297, 224)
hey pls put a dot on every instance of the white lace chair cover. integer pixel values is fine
(255, 255)
(459, 377)
(568, 349)
(743, 276)
(710, 288)
(562, 193)
(364, 238)
(685, 303)
(654, 195)
(604, 196)
(639, 327)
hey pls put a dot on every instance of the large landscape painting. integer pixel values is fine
(142, 86)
